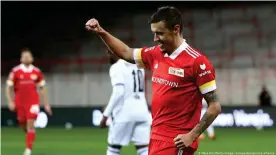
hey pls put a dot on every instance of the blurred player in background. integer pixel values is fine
(182, 76)
(210, 130)
(23, 80)
(265, 98)
(127, 107)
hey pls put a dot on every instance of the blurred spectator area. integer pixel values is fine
(239, 41)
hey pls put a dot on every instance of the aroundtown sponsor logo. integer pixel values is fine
(164, 82)
(27, 82)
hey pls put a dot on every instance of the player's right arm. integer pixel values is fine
(119, 48)
(115, 45)
(9, 89)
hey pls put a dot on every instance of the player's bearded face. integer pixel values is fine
(163, 37)
(27, 58)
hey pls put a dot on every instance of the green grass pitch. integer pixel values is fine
(92, 141)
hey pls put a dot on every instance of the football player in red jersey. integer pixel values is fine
(23, 80)
(182, 76)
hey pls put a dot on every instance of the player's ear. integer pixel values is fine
(176, 29)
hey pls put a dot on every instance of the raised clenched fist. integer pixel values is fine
(93, 25)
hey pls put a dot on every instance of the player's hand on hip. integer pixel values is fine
(11, 106)
(48, 109)
(183, 140)
(103, 122)
(93, 25)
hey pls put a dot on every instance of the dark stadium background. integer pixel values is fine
(55, 33)
(38, 25)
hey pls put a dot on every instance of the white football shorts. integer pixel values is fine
(123, 133)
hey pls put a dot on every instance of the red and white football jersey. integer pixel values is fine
(178, 84)
(25, 81)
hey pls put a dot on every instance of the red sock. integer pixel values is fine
(30, 137)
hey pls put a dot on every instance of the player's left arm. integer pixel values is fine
(116, 96)
(205, 79)
(118, 89)
(43, 90)
(210, 115)
(41, 83)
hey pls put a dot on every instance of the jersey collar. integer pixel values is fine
(26, 69)
(123, 62)
(179, 50)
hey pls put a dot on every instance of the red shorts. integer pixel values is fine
(26, 112)
(158, 147)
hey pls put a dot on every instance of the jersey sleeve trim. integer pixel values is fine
(207, 87)
(137, 55)
(9, 82)
(119, 84)
(42, 83)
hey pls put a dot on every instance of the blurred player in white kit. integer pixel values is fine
(210, 130)
(127, 107)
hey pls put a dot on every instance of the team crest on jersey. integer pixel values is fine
(176, 71)
(33, 77)
(203, 66)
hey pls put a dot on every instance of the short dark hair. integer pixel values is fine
(170, 15)
(25, 49)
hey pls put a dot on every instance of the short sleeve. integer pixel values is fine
(11, 79)
(144, 57)
(205, 75)
(40, 80)
(116, 76)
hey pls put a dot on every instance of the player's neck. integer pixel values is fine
(177, 43)
(27, 65)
